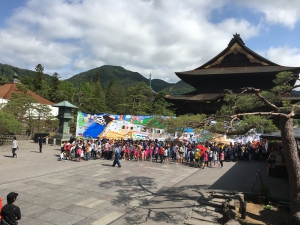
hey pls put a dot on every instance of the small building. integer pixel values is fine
(7, 90)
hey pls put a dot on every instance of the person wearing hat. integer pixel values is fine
(10, 213)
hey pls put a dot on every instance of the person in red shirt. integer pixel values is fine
(161, 154)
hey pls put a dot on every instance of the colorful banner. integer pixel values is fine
(116, 126)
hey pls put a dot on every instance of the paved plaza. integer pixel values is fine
(93, 192)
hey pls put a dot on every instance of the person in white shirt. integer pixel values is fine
(14, 147)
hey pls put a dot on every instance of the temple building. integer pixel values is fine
(7, 90)
(235, 67)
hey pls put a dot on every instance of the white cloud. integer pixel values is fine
(286, 56)
(285, 12)
(151, 35)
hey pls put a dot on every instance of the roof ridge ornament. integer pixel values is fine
(238, 37)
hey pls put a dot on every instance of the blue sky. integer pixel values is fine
(73, 36)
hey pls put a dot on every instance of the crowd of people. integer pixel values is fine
(194, 154)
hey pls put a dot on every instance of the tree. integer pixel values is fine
(69, 91)
(138, 99)
(39, 77)
(159, 104)
(28, 111)
(3, 80)
(252, 108)
(9, 124)
(176, 126)
(41, 87)
(99, 103)
(86, 97)
(56, 94)
(115, 97)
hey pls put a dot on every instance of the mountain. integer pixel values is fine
(179, 88)
(8, 71)
(121, 75)
(128, 78)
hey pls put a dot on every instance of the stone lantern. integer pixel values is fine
(64, 116)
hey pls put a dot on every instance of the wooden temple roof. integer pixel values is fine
(236, 60)
(235, 67)
(240, 70)
(235, 46)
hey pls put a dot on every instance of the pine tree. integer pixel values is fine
(99, 103)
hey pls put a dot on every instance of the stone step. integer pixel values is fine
(207, 218)
(204, 212)
(198, 222)
(222, 195)
(209, 208)
(210, 203)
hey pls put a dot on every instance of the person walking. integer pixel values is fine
(14, 147)
(117, 156)
(10, 213)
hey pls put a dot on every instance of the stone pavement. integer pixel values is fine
(93, 192)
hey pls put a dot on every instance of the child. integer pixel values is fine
(210, 157)
(222, 158)
(166, 159)
(177, 156)
(156, 153)
(197, 156)
(62, 157)
(205, 159)
(216, 159)
(191, 156)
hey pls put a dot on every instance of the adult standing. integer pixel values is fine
(10, 213)
(117, 156)
(40, 140)
(14, 147)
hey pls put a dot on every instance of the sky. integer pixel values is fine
(145, 36)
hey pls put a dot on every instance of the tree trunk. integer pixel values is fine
(293, 166)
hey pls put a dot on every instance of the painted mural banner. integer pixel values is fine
(117, 126)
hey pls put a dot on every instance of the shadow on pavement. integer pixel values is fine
(241, 176)
(144, 203)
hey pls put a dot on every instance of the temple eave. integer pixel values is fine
(238, 70)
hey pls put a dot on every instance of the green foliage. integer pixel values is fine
(3, 80)
(9, 124)
(159, 104)
(38, 78)
(176, 125)
(114, 97)
(8, 71)
(283, 78)
(26, 110)
(68, 91)
(179, 88)
(56, 94)
(264, 191)
(138, 99)
(99, 95)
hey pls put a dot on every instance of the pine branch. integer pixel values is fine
(262, 98)
(289, 90)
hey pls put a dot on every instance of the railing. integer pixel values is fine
(262, 184)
